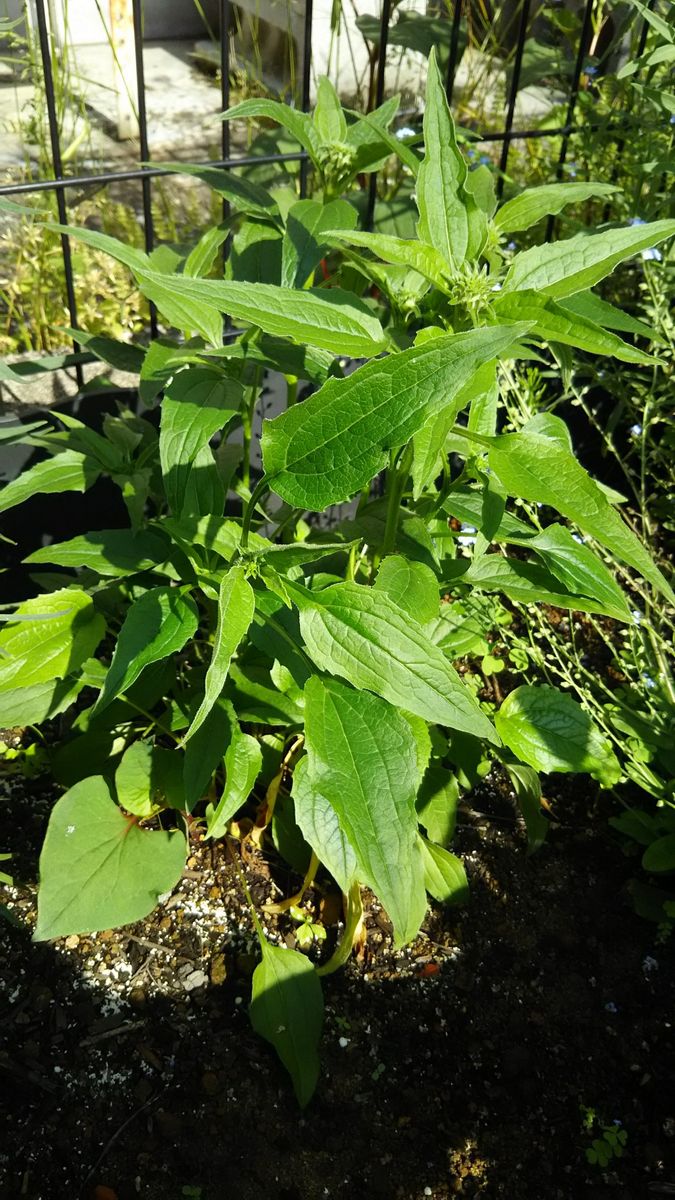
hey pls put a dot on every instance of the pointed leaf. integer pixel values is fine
(531, 583)
(322, 451)
(560, 269)
(157, 625)
(554, 323)
(329, 119)
(552, 732)
(109, 552)
(361, 635)
(298, 124)
(206, 750)
(236, 605)
(527, 787)
(134, 259)
(544, 470)
(580, 570)
(404, 252)
(534, 203)
(67, 471)
(330, 319)
(362, 759)
(246, 196)
(287, 1010)
(20, 706)
(98, 869)
(450, 219)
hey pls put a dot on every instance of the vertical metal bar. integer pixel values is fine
(513, 93)
(225, 130)
(146, 183)
(385, 17)
(572, 103)
(306, 81)
(454, 50)
(55, 145)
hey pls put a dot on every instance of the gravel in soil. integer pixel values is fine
(462, 1066)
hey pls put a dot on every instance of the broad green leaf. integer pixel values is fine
(198, 402)
(329, 119)
(531, 583)
(157, 625)
(559, 269)
(20, 706)
(330, 319)
(257, 701)
(601, 312)
(298, 124)
(554, 323)
(458, 631)
(321, 829)
(362, 759)
(359, 634)
(135, 260)
(109, 552)
(411, 585)
(309, 228)
(98, 869)
(246, 196)
(67, 471)
(204, 254)
(236, 605)
(579, 569)
(133, 780)
(287, 1010)
(552, 732)
(322, 451)
(444, 874)
(527, 787)
(542, 469)
(480, 183)
(201, 486)
(402, 252)
(436, 804)
(466, 504)
(243, 761)
(38, 651)
(660, 856)
(450, 219)
(534, 203)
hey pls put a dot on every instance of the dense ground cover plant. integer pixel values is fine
(253, 673)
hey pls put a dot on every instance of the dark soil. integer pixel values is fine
(462, 1066)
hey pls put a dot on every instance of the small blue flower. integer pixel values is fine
(636, 430)
(653, 254)
(610, 1007)
(637, 616)
(648, 681)
(636, 221)
(511, 246)
(578, 538)
(672, 119)
(471, 153)
(590, 71)
(404, 132)
(484, 159)
(496, 287)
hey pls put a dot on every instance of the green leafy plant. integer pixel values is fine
(207, 662)
(610, 1143)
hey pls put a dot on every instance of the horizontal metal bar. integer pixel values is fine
(227, 164)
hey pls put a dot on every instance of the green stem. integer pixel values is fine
(396, 481)
(291, 390)
(261, 487)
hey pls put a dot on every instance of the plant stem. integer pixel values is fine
(261, 486)
(396, 480)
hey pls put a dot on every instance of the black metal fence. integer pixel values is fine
(521, 18)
